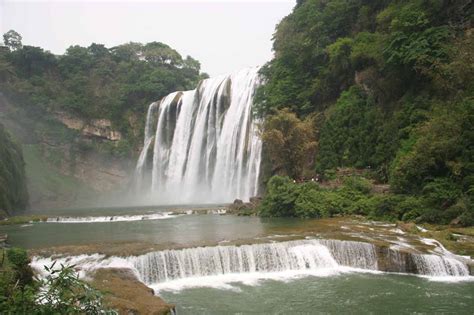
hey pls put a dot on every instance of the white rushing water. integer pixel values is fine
(434, 265)
(206, 146)
(218, 266)
(113, 218)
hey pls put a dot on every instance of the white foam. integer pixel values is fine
(397, 231)
(229, 281)
(115, 218)
(84, 264)
(422, 229)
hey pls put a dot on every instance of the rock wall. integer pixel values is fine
(99, 128)
(68, 160)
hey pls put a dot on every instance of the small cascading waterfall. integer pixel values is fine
(206, 146)
(434, 265)
(353, 254)
(304, 255)
(301, 256)
(307, 255)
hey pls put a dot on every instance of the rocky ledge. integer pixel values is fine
(124, 293)
(98, 128)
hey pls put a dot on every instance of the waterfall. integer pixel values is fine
(113, 218)
(435, 265)
(219, 260)
(353, 254)
(302, 256)
(191, 266)
(146, 145)
(206, 146)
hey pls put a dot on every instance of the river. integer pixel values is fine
(208, 263)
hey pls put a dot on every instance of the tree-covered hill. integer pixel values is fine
(80, 116)
(96, 81)
(388, 87)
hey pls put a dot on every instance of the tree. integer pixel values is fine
(159, 53)
(12, 40)
(289, 142)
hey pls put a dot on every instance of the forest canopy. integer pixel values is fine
(391, 85)
(95, 81)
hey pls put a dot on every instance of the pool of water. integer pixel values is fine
(178, 230)
(341, 294)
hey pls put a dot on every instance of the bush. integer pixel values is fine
(308, 200)
(412, 208)
(442, 192)
(280, 198)
(20, 263)
(358, 184)
(64, 293)
(61, 292)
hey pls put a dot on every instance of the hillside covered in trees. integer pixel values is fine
(96, 81)
(80, 116)
(380, 86)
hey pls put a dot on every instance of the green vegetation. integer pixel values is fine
(390, 84)
(61, 292)
(355, 196)
(289, 141)
(92, 82)
(13, 192)
(23, 219)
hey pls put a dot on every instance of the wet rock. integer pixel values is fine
(471, 268)
(256, 201)
(408, 227)
(390, 260)
(244, 208)
(127, 295)
(456, 221)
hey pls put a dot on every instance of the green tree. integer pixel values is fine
(12, 40)
(289, 143)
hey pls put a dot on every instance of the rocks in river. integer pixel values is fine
(390, 260)
(245, 208)
(471, 268)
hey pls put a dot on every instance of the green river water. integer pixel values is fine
(344, 293)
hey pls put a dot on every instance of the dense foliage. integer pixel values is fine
(60, 292)
(13, 192)
(392, 83)
(95, 81)
(289, 142)
(356, 196)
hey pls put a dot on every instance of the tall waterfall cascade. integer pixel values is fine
(204, 143)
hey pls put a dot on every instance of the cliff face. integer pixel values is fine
(13, 192)
(98, 128)
(69, 162)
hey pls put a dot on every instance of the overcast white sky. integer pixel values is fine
(224, 35)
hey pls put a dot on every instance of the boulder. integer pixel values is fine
(244, 208)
